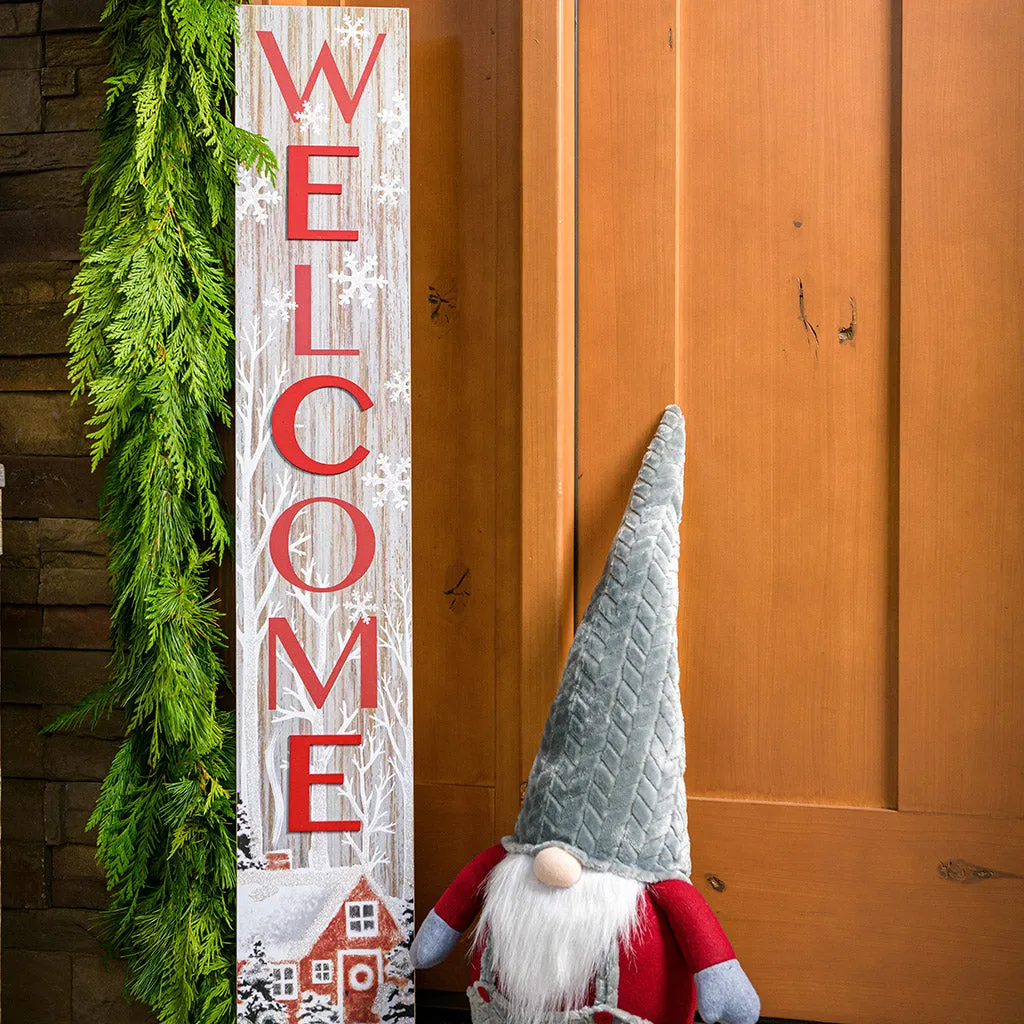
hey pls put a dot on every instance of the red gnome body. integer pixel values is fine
(677, 936)
(586, 915)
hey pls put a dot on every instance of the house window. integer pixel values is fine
(283, 981)
(361, 920)
(323, 972)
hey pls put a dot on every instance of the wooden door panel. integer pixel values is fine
(453, 356)
(962, 409)
(547, 470)
(844, 914)
(627, 240)
(453, 824)
(786, 527)
(784, 167)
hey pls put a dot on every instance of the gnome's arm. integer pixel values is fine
(724, 992)
(454, 911)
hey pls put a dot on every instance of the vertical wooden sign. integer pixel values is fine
(323, 554)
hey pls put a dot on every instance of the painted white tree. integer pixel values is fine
(256, 392)
(393, 718)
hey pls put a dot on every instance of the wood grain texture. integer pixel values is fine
(465, 332)
(322, 545)
(455, 348)
(510, 414)
(786, 596)
(548, 360)
(627, 260)
(449, 823)
(466, 354)
(892, 939)
(786, 614)
(962, 409)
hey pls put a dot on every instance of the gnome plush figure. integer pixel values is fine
(586, 913)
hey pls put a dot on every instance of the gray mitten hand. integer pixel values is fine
(724, 993)
(433, 942)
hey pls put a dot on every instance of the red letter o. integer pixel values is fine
(366, 545)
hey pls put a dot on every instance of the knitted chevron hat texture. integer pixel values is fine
(607, 783)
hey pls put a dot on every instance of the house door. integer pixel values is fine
(360, 978)
(804, 222)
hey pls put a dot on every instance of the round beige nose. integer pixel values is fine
(555, 867)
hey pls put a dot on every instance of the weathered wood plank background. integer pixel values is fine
(364, 306)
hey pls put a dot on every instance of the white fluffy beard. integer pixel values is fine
(548, 944)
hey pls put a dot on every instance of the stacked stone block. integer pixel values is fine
(53, 581)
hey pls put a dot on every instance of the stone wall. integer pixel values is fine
(53, 582)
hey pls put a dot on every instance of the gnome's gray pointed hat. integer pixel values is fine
(607, 783)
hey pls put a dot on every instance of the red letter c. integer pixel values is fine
(282, 424)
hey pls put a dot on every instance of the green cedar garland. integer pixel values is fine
(151, 345)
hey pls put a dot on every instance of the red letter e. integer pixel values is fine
(300, 779)
(300, 188)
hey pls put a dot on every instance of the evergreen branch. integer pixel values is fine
(89, 710)
(150, 344)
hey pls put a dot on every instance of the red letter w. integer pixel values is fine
(365, 631)
(326, 65)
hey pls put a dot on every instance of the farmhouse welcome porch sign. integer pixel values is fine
(323, 553)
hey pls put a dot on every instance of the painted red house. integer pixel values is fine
(332, 940)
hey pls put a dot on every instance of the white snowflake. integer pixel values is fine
(389, 189)
(253, 195)
(399, 389)
(358, 281)
(351, 31)
(280, 305)
(395, 118)
(391, 484)
(311, 120)
(360, 606)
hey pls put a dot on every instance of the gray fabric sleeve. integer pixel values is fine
(724, 994)
(433, 942)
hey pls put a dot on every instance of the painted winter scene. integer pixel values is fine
(322, 948)
(323, 520)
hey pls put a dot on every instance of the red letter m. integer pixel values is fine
(326, 65)
(365, 631)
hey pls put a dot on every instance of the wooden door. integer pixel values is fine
(804, 222)
(359, 983)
